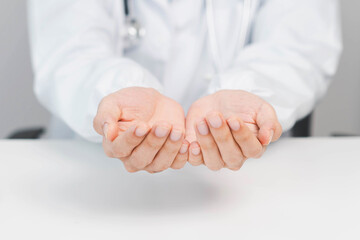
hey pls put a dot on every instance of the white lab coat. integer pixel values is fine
(292, 51)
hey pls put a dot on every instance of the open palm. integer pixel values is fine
(253, 111)
(142, 128)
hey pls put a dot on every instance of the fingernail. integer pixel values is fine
(234, 125)
(161, 132)
(195, 151)
(175, 135)
(203, 128)
(141, 131)
(215, 121)
(183, 149)
(106, 129)
(271, 137)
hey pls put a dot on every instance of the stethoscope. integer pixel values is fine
(135, 32)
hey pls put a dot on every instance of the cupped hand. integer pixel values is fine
(228, 127)
(143, 128)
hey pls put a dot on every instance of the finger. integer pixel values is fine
(182, 157)
(229, 150)
(191, 118)
(129, 167)
(105, 121)
(145, 153)
(270, 128)
(195, 155)
(190, 133)
(245, 138)
(124, 125)
(109, 152)
(166, 156)
(263, 150)
(127, 141)
(107, 148)
(209, 148)
(253, 127)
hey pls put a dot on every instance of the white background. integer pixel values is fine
(339, 112)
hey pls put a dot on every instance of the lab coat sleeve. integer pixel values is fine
(293, 53)
(77, 58)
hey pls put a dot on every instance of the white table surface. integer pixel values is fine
(300, 189)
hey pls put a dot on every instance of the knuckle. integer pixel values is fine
(109, 154)
(120, 153)
(254, 152)
(235, 168)
(180, 159)
(161, 167)
(259, 155)
(171, 148)
(207, 145)
(138, 162)
(222, 138)
(153, 145)
(130, 169)
(195, 162)
(128, 140)
(241, 138)
(246, 137)
(272, 124)
(234, 161)
(107, 150)
(178, 165)
(216, 167)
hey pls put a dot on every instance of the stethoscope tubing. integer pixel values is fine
(126, 8)
(210, 19)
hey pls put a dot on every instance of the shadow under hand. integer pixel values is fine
(85, 180)
(137, 194)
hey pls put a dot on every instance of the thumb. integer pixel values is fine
(107, 118)
(270, 129)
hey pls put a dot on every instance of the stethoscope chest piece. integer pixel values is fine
(134, 31)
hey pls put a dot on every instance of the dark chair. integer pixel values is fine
(303, 127)
(30, 133)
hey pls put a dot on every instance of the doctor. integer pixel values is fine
(242, 70)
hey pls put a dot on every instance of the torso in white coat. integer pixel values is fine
(177, 48)
(284, 51)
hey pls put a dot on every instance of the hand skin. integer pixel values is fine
(144, 129)
(228, 127)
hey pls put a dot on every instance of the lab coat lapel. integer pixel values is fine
(187, 18)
